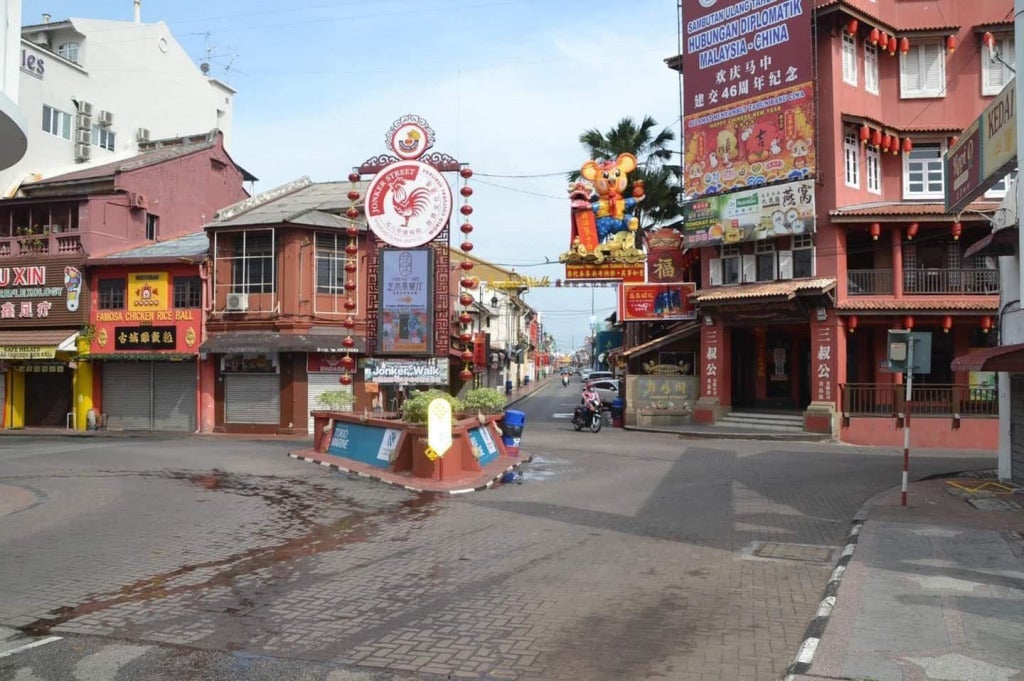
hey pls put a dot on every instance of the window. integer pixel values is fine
(851, 160)
(730, 264)
(849, 58)
(112, 294)
(69, 51)
(188, 292)
(252, 268)
(102, 137)
(874, 171)
(330, 264)
(995, 73)
(870, 68)
(803, 256)
(923, 70)
(56, 122)
(999, 189)
(922, 171)
(152, 223)
(766, 260)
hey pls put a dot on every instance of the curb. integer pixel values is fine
(801, 664)
(452, 492)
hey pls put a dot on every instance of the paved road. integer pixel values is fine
(622, 556)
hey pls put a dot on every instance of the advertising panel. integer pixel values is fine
(148, 322)
(748, 107)
(652, 302)
(621, 271)
(406, 292)
(664, 256)
(762, 213)
(985, 152)
(408, 203)
(369, 444)
(148, 291)
(430, 371)
(34, 295)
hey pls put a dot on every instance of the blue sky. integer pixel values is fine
(508, 86)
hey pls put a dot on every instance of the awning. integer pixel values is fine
(317, 340)
(36, 343)
(679, 333)
(1000, 242)
(1000, 358)
(764, 292)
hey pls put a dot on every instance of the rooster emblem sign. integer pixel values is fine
(408, 203)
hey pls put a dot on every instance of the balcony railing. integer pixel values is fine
(887, 399)
(39, 244)
(937, 281)
(869, 282)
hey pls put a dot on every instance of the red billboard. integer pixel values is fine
(652, 302)
(748, 101)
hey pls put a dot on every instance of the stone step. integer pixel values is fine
(766, 422)
(766, 416)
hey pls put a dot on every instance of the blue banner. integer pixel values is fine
(373, 445)
(484, 448)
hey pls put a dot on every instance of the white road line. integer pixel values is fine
(561, 416)
(33, 644)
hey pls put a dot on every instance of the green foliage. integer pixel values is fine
(336, 399)
(414, 410)
(486, 400)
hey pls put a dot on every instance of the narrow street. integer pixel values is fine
(622, 555)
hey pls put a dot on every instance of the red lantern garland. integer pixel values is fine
(467, 282)
(351, 267)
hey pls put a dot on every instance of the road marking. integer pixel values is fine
(33, 644)
(561, 416)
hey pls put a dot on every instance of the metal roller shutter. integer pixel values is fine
(1017, 429)
(127, 395)
(252, 398)
(319, 383)
(174, 396)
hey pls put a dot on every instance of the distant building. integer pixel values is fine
(13, 126)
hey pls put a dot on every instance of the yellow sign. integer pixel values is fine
(27, 352)
(147, 291)
(439, 426)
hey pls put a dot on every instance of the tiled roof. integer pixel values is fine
(939, 303)
(679, 332)
(771, 289)
(320, 204)
(190, 245)
(1000, 358)
(906, 208)
(36, 337)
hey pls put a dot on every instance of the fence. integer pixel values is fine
(888, 399)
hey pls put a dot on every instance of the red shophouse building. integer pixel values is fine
(856, 113)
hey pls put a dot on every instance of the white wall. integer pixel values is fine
(10, 32)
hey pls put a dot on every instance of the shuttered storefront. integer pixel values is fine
(150, 395)
(1017, 428)
(252, 398)
(319, 383)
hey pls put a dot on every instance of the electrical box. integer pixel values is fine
(899, 343)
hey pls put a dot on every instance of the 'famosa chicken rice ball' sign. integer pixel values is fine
(408, 203)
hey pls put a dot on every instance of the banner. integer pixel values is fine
(748, 108)
(985, 152)
(406, 291)
(432, 371)
(653, 302)
(664, 256)
(762, 213)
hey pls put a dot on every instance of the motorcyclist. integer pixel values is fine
(590, 397)
(565, 379)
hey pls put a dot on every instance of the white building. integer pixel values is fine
(92, 89)
(13, 126)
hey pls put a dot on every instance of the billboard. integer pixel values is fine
(406, 292)
(654, 302)
(985, 152)
(750, 215)
(748, 101)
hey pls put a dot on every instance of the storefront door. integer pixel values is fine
(47, 397)
(743, 369)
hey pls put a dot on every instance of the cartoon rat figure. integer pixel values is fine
(611, 208)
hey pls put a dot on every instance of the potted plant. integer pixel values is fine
(337, 400)
(414, 409)
(483, 401)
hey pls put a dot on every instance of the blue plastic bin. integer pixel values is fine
(512, 430)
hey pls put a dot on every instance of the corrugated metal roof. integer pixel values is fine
(679, 332)
(905, 208)
(189, 245)
(771, 289)
(300, 202)
(939, 303)
(36, 337)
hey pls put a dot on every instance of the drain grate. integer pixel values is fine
(802, 552)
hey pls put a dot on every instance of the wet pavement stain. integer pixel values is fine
(357, 527)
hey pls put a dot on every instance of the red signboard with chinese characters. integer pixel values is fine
(325, 363)
(748, 107)
(664, 256)
(148, 320)
(712, 359)
(481, 346)
(651, 302)
(623, 271)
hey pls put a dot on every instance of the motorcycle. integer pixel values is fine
(565, 380)
(588, 416)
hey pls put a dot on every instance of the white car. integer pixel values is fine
(607, 389)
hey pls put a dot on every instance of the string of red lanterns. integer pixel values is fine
(467, 282)
(348, 363)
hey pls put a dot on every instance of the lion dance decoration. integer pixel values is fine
(603, 226)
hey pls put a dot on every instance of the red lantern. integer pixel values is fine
(894, 145)
(886, 141)
(904, 44)
(852, 26)
(892, 45)
(988, 40)
(876, 229)
(912, 231)
(883, 41)
(876, 139)
(851, 323)
(957, 230)
(466, 374)
(865, 133)
(947, 324)
(986, 324)
(873, 36)
(951, 44)
(907, 145)
(908, 322)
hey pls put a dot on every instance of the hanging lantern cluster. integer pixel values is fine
(348, 362)
(884, 41)
(884, 142)
(466, 282)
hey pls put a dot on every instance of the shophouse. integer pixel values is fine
(841, 123)
(55, 227)
(103, 87)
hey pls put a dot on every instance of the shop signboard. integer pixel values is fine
(27, 352)
(37, 294)
(984, 153)
(324, 363)
(607, 271)
(429, 371)
(149, 321)
(762, 213)
(368, 444)
(145, 338)
(406, 292)
(748, 104)
(664, 255)
(653, 302)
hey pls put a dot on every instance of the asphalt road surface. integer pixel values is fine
(621, 556)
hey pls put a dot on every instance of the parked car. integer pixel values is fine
(600, 375)
(607, 389)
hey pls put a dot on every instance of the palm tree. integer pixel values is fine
(651, 148)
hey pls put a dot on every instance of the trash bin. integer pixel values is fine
(512, 430)
(508, 387)
(618, 406)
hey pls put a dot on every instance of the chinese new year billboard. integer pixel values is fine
(751, 215)
(652, 302)
(748, 101)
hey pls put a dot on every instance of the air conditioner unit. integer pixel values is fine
(83, 122)
(83, 136)
(237, 302)
(136, 200)
(82, 152)
(142, 135)
(106, 119)
(85, 108)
